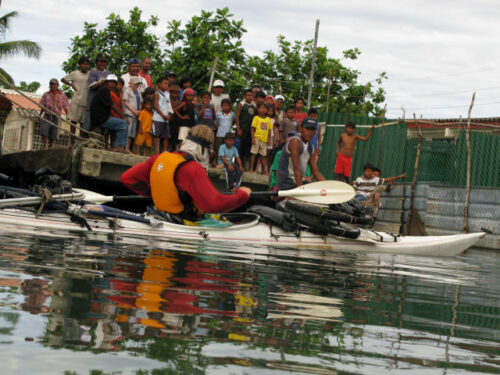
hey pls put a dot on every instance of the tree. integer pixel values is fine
(287, 71)
(204, 37)
(121, 40)
(28, 87)
(14, 47)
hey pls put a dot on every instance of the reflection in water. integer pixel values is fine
(197, 309)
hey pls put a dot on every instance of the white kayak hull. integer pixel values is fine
(252, 233)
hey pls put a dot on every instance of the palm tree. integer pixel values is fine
(15, 47)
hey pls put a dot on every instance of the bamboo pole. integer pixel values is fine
(328, 91)
(315, 46)
(415, 175)
(467, 185)
(212, 73)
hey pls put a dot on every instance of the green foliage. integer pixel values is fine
(121, 40)
(14, 47)
(28, 87)
(193, 47)
(288, 70)
(196, 45)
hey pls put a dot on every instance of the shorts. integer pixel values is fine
(132, 126)
(49, 130)
(259, 147)
(183, 132)
(160, 129)
(233, 178)
(144, 139)
(245, 143)
(343, 165)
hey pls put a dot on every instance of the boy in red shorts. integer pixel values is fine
(345, 150)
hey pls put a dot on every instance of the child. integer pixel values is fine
(131, 106)
(299, 115)
(206, 111)
(345, 150)
(145, 118)
(261, 126)
(245, 113)
(149, 93)
(185, 111)
(369, 187)
(316, 141)
(272, 142)
(116, 97)
(174, 122)
(288, 124)
(378, 173)
(224, 122)
(260, 97)
(162, 113)
(228, 155)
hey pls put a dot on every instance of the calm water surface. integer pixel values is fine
(73, 305)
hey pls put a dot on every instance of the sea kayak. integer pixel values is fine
(246, 228)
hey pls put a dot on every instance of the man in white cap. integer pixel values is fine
(218, 95)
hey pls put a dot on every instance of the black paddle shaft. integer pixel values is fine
(256, 194)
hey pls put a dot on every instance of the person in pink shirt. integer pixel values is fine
(299, 115)
(57, 103)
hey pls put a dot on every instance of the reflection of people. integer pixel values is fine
(178, 182)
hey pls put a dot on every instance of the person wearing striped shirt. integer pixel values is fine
(368, 186)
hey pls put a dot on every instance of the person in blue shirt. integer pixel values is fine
(230, 158)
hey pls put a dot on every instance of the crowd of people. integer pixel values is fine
(258, 134)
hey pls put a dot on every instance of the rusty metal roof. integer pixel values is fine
(19, 101)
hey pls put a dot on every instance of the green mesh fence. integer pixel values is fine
(443, 160)
(385, 148)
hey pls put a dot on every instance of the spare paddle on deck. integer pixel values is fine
(321, 192)
(28, 201)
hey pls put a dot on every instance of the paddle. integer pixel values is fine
(321, 192)
(27, 201)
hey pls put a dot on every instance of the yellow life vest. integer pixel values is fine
(162, 180)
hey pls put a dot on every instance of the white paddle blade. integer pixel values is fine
(321, 192)
(94, 197)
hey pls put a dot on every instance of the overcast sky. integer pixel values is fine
(435, 53)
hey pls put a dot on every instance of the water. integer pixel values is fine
(73, 305)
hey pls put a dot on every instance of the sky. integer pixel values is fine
(435, 53)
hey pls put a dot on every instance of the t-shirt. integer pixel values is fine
(81, 82)
(116, 97)
(147, 77)
(366, 186)
(100, 109)
(286, 125)
(146, 120)
(94, 77)
(216, 101)
(300, 117)
(247, 114)
(225, 123)
(262, 127)
(164, 105)
(134, 100)
(230, 154)
(208, 115)
(126, 80)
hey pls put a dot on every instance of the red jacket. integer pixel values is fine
(193, 179)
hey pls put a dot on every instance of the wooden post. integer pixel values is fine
(404, 114)
(212, 73)
(309, 96)
(415, 175)
(364, 101)
(328, 91)
(383, 136)
(467, 185)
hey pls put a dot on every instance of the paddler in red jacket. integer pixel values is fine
(176, 180)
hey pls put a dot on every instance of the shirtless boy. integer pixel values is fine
(345, 150)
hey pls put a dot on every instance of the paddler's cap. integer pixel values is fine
(54, 81)
(189, 91)
(133, 60)
(111, 77)
(309, 123)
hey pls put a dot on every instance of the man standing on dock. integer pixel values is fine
(57, 103)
